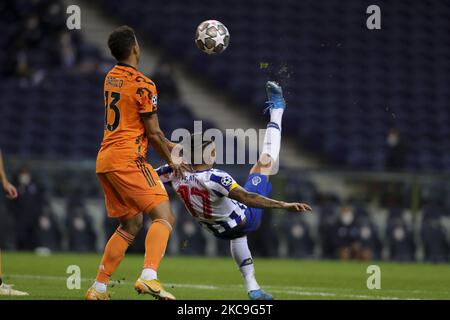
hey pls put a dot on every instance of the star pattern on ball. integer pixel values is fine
(219, 39)
(212, 37)
(202, 35)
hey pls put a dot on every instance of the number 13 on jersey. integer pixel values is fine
(112, 124)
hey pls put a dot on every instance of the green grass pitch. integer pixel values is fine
(193, 278)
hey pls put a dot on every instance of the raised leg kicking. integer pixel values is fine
(225, 208)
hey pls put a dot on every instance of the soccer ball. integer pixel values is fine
(212, 37)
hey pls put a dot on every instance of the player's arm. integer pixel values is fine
(147, 100)
(170, 144)
(165, 173)
(156, 137)
(10, 190)
(255, 200)
(158, 141)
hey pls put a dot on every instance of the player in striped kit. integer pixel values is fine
(228, 210)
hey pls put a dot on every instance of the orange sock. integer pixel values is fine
(114, 252)
(156, 243)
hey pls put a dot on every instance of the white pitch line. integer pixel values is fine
(292, 290)
(116, 282)
(354, 296)
(340, 290)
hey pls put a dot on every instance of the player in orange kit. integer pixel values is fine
(130, 184)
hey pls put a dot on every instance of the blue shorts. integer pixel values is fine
(259, 184)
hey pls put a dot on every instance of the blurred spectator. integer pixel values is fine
(164, 79)
(67, 50)
(400, 237)
(359, 209)
(79, 225)
(368, 232)
(328, 219)
(347, 237)
(395, 155)
(264, 241)
(433, 234)
(22, 69)
(40, 41)
(53, 15)
(300, 243)
(33, 33)
(48, 233)
(370, 241)
(192, 241)
(27, 209)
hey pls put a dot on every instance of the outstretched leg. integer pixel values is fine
(243, 258)
(272, 139)
(258, 180)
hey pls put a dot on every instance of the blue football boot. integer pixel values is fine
(259, 295)
(275, 96)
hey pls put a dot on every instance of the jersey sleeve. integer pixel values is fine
(165, 173)
(222, 183)
(146, 97)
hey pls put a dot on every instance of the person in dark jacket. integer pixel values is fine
(27, 209)
(79, 224)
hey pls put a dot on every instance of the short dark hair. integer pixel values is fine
(199, 146)
(121, 42)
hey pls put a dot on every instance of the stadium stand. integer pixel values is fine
(346, 85)
(357, 98)
(46, 90)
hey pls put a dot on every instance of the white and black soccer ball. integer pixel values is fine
(212, 37)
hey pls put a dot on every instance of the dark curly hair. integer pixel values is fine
(121, 42)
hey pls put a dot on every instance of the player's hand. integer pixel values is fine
(10, 190)
(297, 207)
(179, 169)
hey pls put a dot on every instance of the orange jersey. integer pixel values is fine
(127, 95)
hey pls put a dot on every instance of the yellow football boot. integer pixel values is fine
(154, 288)
(93, 294)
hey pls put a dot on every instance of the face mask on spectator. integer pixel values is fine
(24, 178)
(347, 217)
(392, 139)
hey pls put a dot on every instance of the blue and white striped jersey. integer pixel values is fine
(205, 195)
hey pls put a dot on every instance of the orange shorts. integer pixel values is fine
(132, 190)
